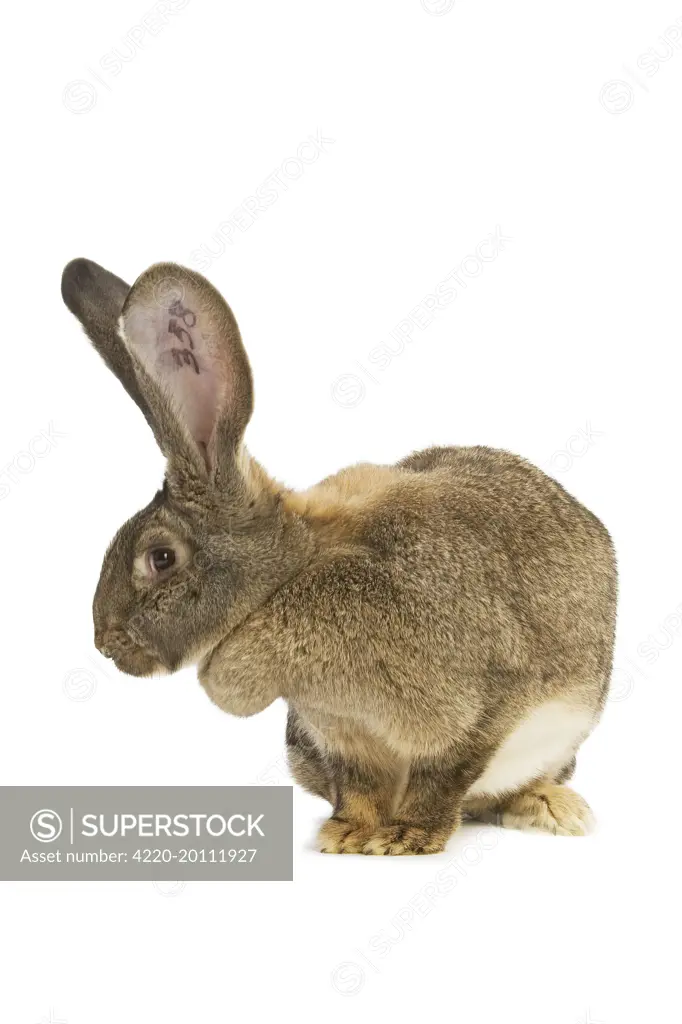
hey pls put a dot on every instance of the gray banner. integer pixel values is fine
(136, 833)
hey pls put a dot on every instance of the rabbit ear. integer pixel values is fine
(96, 298)
(191, 365)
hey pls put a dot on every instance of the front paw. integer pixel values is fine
(403, 839)
(339, 836)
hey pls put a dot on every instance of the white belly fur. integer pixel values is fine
(542, 743)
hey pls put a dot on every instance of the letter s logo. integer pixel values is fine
(46, 826)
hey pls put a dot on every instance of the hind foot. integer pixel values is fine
(545, 807)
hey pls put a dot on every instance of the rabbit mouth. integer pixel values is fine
(128, 656)
(137, 662)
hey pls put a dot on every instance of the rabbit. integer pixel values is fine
(441, 629)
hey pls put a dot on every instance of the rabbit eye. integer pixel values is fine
(161, 559)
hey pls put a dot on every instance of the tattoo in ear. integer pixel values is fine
(181, 320)
(184, 358)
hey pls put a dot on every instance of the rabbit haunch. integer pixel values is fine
(542, 744)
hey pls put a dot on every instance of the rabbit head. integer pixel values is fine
(216, 539)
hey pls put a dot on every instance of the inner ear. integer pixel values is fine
(174, 343)
(187, 341)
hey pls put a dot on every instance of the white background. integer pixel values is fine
(446, 124)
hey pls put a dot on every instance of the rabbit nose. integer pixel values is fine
(101, 643)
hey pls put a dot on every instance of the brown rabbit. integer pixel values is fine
(441, 630)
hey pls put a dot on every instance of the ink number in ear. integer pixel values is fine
(181, 333)
(188, 316)
(182, 319)
(183, 357)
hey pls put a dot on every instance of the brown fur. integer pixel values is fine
(411, 615)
